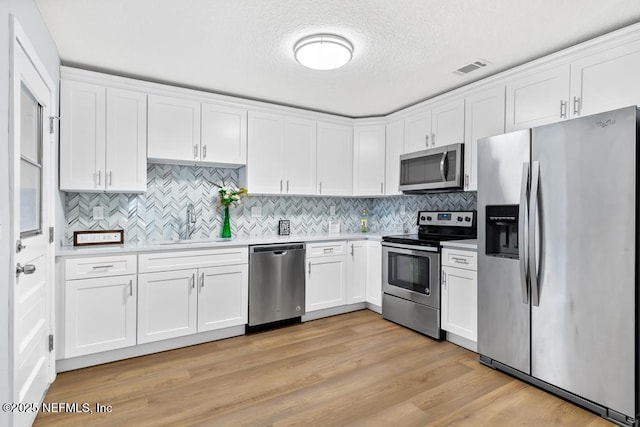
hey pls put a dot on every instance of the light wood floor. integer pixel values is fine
(353, 369)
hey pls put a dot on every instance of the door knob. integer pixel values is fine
(26, 269)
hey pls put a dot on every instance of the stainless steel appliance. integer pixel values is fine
(435, 169)
(276, 283)
(557, 259)
(411, 269)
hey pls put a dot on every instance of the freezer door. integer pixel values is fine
(583, 307)
(503, 317)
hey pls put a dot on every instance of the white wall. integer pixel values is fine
(29, 17)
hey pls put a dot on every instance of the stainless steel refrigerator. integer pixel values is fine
(558, 259)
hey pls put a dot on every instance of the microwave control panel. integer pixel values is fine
(452, 218)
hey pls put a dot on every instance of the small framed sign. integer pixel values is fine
(283, 227)
(98, 237)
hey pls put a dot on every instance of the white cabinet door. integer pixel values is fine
(100, 314)
(174, 129)
(606, 80)
(357, 271)
(326, 282)
(335, 154)
(394, 147)
(265, 163)
(223, 297)
(484, 117)
(224, 135)
(368, 160)
(300, 156)
(447, 123)
(538, 99)
(167, 304)
(417, 132)
(460, 302)
(82, 136)
(126, 146)
(374, 273)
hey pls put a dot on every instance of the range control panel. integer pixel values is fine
(452, 218)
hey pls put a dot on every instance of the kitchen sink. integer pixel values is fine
(186, 241)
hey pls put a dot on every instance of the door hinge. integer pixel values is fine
(50, 343)
(19, 246)
(51, 234)
(52, 126)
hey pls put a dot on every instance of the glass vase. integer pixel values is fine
(226, 225)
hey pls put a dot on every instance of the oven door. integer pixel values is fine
(411, 272)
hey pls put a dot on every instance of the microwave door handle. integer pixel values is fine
(533, 211)
(443, 161)
(523, 233)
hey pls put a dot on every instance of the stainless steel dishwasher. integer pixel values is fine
(276, 283)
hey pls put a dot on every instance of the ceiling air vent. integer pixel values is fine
(466, 69)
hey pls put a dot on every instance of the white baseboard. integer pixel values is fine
(462, 342)
(333, 311)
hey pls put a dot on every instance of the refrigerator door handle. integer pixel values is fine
(443, 161)
(523, 232)
(533, 210)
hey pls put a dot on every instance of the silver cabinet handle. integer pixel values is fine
(26, 269)
(533, 210)
(433, 139)
(382, 188)
(426, 140)
(563, 109)
(287, 186)
(202, 280)
(99, 178)
(466, 180)
(204, 151)
(193, 281)
(309, 268)
(444, 279)
(130, 288)
(320, 187)
(576, 105)
(195, 151)
(460, 260)
(328, 250)
(523, 232)
(352, 249)
(281, 186)
(110, 181)
(95, 267)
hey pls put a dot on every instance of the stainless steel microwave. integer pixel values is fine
(435, 169)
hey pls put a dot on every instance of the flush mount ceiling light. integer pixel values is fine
(323, 51)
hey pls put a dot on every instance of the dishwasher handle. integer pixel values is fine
(277, 249)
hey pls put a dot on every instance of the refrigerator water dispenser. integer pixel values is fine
(502, 231)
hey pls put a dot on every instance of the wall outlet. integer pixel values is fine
(256, 212)
(98, 213)
(332, 210)
(402, 210)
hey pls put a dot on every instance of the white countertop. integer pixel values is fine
(469, 244)
(210, 243)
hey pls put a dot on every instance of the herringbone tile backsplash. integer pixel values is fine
(160, 214)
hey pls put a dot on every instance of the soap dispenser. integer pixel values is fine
(363, 221)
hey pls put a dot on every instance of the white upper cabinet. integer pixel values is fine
(224, 135)
(447, 123)
(538, 99)
(417, 132)
(368, 160)
(126, 149)
(484, 117)
(265, 160)
(174, 130)
(102, 139)
(394, 147)
(335, 154)
(606, 80)
(300, 156)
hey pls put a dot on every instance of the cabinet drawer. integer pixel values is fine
(179, 260)
(86, 268)
(460, 259)
(326, 249)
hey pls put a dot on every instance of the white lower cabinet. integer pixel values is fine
(374, 273)
(326, 278)
(223, 297)
(459, 296)
(100, 314)
(357, 271)
(167, 304)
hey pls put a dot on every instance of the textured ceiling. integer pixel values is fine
(404, 50)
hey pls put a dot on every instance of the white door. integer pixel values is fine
(417, 132)
(265, 160)
(460, 302)
(447, 122)
(357, 270)
(173, 129)
(326, 282)
(32, 207)
(335, 159)
(300, 156)
(223, 297)
(368, 160)
(224, 134)
(394, 147)
(374, 273)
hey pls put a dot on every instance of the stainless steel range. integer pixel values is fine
(411, 269)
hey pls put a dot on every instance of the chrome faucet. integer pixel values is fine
(191, 220)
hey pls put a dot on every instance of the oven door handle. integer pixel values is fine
(410, 249)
